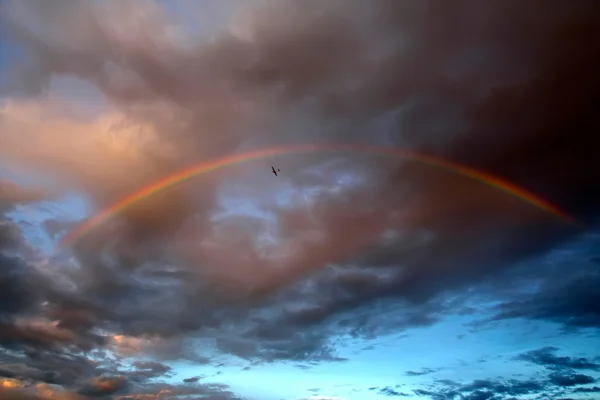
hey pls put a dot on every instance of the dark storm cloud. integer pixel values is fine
(574, 302)
(362, 74)
(22, 290)
(18, 282)
(59, 367)
(77, 374)
(24, 321)
(519, 102)
(46, 336)
(564, 295)
(10, 235)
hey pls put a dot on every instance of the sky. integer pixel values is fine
(350, 275)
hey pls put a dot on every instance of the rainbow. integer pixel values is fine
(231, 160)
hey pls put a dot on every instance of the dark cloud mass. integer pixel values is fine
(193, 379)
(571, 380)
(556, 386)
(11, 194)
(547, 357)
(505, 86)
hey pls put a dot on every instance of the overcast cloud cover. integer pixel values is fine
(347, 276)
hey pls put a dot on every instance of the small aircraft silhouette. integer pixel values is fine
(275, 171)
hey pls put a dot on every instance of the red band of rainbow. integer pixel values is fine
(231, 160)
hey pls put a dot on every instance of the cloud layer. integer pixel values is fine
(453, 81)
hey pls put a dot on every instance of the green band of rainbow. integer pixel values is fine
(218, 163)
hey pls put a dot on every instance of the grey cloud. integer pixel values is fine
(388, 391)
(18, 282)
(571, 379)
(12, 194)
(46, 347)
(149, 369)
(424, 371)
(316, 73)
(566, 298)
(166, 391)
(562, 305)
(103, 386)
(547, 357)
(157, 391)
(594, 389)
(485, 389)
(557, 384)
(37, 393)
(277, 64)
(10, 235)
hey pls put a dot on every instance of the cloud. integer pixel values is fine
(14, 390)
(558, 302)
(165, 391)
(424, 371)
(388, 391)
(103, 386)
(595, 389)
(322, 398)
(484, 389)
(389, 251)
(571, 380)
(51, 347)
(173, 116)
(11, 194)
(562, 381)
(547, 357)
(568, 299)
(150, 369)
(17, 286)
